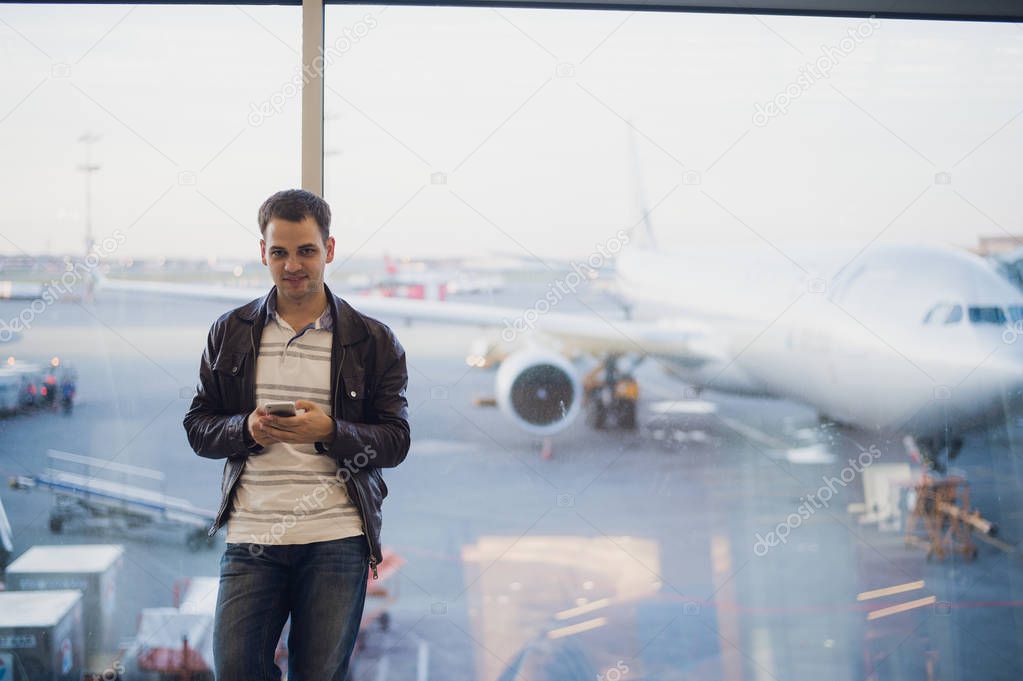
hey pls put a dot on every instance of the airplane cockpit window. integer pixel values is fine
(986, 314)
(944, 313)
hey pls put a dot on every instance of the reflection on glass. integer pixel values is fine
(711, 270)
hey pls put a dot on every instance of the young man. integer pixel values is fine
(301, 495)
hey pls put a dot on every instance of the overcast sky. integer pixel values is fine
(522, 113)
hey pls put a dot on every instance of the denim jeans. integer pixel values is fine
(322, 586)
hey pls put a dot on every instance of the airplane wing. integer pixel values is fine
(690, 342)
(586, 333)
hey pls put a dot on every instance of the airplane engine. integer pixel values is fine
(539, 390)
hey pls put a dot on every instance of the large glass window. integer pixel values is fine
(659, 278)
(728, 535)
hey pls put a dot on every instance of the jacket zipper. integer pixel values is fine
(223, 504)
(369, 538)
(358, 493)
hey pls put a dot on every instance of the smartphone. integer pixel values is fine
(280, 408)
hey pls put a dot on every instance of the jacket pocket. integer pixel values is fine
(230, 363)
(353, 395)
(229, 370)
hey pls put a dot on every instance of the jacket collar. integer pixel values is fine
(348, 324)
(325, 320)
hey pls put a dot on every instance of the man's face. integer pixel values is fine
(296, 256)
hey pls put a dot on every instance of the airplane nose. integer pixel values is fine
(998, 375)
(1008, 363)
(977, 371)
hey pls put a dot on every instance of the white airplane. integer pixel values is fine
(901, 338)
(906, 339)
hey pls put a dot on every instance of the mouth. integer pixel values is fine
(294, 280)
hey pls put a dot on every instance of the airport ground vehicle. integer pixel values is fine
(176, 642)
(28, 385)
(610, 396)
(20, 386)
(93, 491)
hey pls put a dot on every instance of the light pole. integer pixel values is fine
(88, 168)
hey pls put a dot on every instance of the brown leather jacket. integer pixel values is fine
(368, 382)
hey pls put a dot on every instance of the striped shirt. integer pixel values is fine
(289, 493)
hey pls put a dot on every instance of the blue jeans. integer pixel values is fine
(322, 586)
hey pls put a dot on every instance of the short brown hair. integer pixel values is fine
(295, 205)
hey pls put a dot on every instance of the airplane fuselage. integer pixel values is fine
(846, 332)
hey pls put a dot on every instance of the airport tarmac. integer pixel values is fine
(625, 555)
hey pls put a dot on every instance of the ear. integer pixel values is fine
(262, 250)
(330, 249)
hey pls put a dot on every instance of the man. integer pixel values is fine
(301, 494)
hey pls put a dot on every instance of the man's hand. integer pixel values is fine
(261, 436)
(312, 426)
